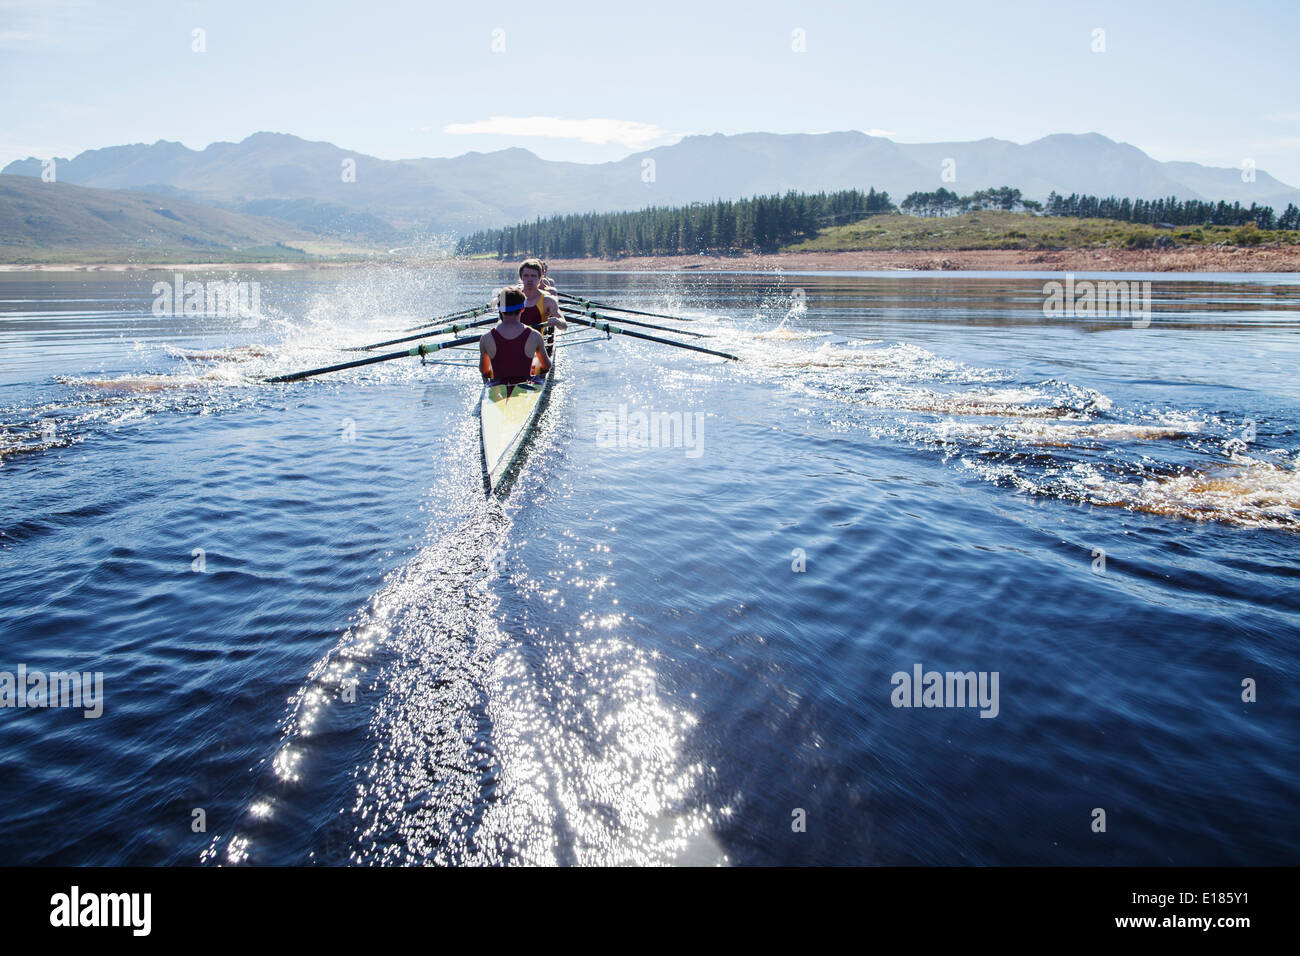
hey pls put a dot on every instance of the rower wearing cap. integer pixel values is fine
(512, 352)
(541, 308)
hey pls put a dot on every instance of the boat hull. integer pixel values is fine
(507, 415)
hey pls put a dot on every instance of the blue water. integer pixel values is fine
(320, 643)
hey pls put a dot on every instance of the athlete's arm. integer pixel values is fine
(485, 348)
(553, 314)
(537, 344)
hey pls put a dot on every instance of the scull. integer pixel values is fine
(508, 412)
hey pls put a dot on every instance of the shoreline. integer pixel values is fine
(176, 266)
(1214, 259)
(1186, 259)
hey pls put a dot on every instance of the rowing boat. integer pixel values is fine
(507, 414)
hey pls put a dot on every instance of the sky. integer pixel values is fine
(1209, 82)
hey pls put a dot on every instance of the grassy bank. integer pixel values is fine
(991, 229)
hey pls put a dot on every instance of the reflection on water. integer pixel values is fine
(497, 737)
(617, 664)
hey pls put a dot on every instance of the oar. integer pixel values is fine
(645, 325)
(420, 350)
(589, 303)
(445, 330)
(615, 330)
(462, 314)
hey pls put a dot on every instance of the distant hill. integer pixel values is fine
(300, 180)
(303, 182)
(61, 222)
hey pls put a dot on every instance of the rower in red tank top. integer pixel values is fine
(541, 308)
(512, 352)
(531, 316)
(510, 361)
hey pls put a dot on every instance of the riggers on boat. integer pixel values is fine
(507, 412)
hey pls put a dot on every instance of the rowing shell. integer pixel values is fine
(507, 414)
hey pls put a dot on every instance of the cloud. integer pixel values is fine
(880, 132)
(627, 133)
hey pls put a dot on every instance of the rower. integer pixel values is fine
(547, 283)
(510, 352)
(541, 308)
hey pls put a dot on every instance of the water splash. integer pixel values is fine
(1050, 438)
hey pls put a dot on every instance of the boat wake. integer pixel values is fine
(1049, 438)
(464, 719)
(1247, 492)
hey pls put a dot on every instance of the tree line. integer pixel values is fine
(945, 202)
(1173, 211)
(768, 222)
(719, 226)
(1170, 211)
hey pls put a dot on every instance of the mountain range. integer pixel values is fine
(329, 191)
(43, 222)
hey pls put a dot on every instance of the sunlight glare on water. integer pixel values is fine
(324, 635)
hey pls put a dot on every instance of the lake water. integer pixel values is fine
(320, 642)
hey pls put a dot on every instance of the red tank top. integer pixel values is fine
(513, 363)
(532, 316)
